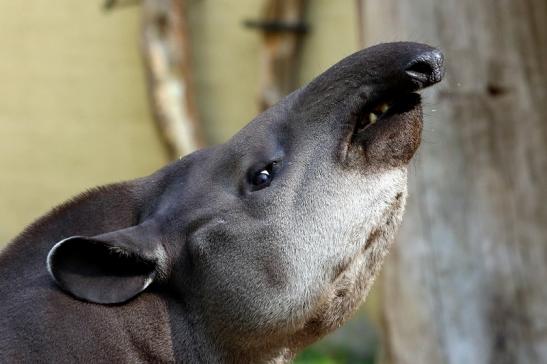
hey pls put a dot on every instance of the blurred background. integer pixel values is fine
(96, 92)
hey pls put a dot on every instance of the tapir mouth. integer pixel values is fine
(380, 111)
(386, 129)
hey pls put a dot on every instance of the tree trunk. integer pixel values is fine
(467, 280)
(282, 27)
(166, 50)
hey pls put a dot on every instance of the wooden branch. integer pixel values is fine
(282, 31)
(109, 5)
(166, 50)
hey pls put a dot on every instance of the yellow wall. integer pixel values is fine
(73, 111)
(73, 105)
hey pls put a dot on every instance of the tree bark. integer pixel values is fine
(467, 280)
(166, 50)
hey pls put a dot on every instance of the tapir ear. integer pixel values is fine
(109, 268)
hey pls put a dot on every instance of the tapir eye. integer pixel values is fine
(263, 177)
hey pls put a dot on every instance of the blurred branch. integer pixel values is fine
(111, 4)
(166, 50)
(276, 26)
(360, 22)
(282, 27)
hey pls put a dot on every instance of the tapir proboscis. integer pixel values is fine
(245, 252)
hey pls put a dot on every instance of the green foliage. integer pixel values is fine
(314, 355)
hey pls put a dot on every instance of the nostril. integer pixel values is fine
(427, 68)
(420, 67)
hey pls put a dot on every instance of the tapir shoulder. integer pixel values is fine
(40, 323)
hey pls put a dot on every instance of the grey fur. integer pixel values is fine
(239, 274)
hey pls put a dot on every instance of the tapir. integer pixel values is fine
(245, 252)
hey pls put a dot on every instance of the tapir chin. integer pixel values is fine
(244, 252)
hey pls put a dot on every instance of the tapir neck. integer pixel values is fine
(194, 342)
(198, 347)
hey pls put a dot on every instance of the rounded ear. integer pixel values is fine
(107, 269)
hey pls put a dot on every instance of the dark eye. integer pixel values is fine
(263, 177)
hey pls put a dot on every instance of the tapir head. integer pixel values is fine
(277, 234)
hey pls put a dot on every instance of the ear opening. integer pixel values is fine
(99, 271)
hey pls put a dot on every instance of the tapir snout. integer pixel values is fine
(243, 252)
